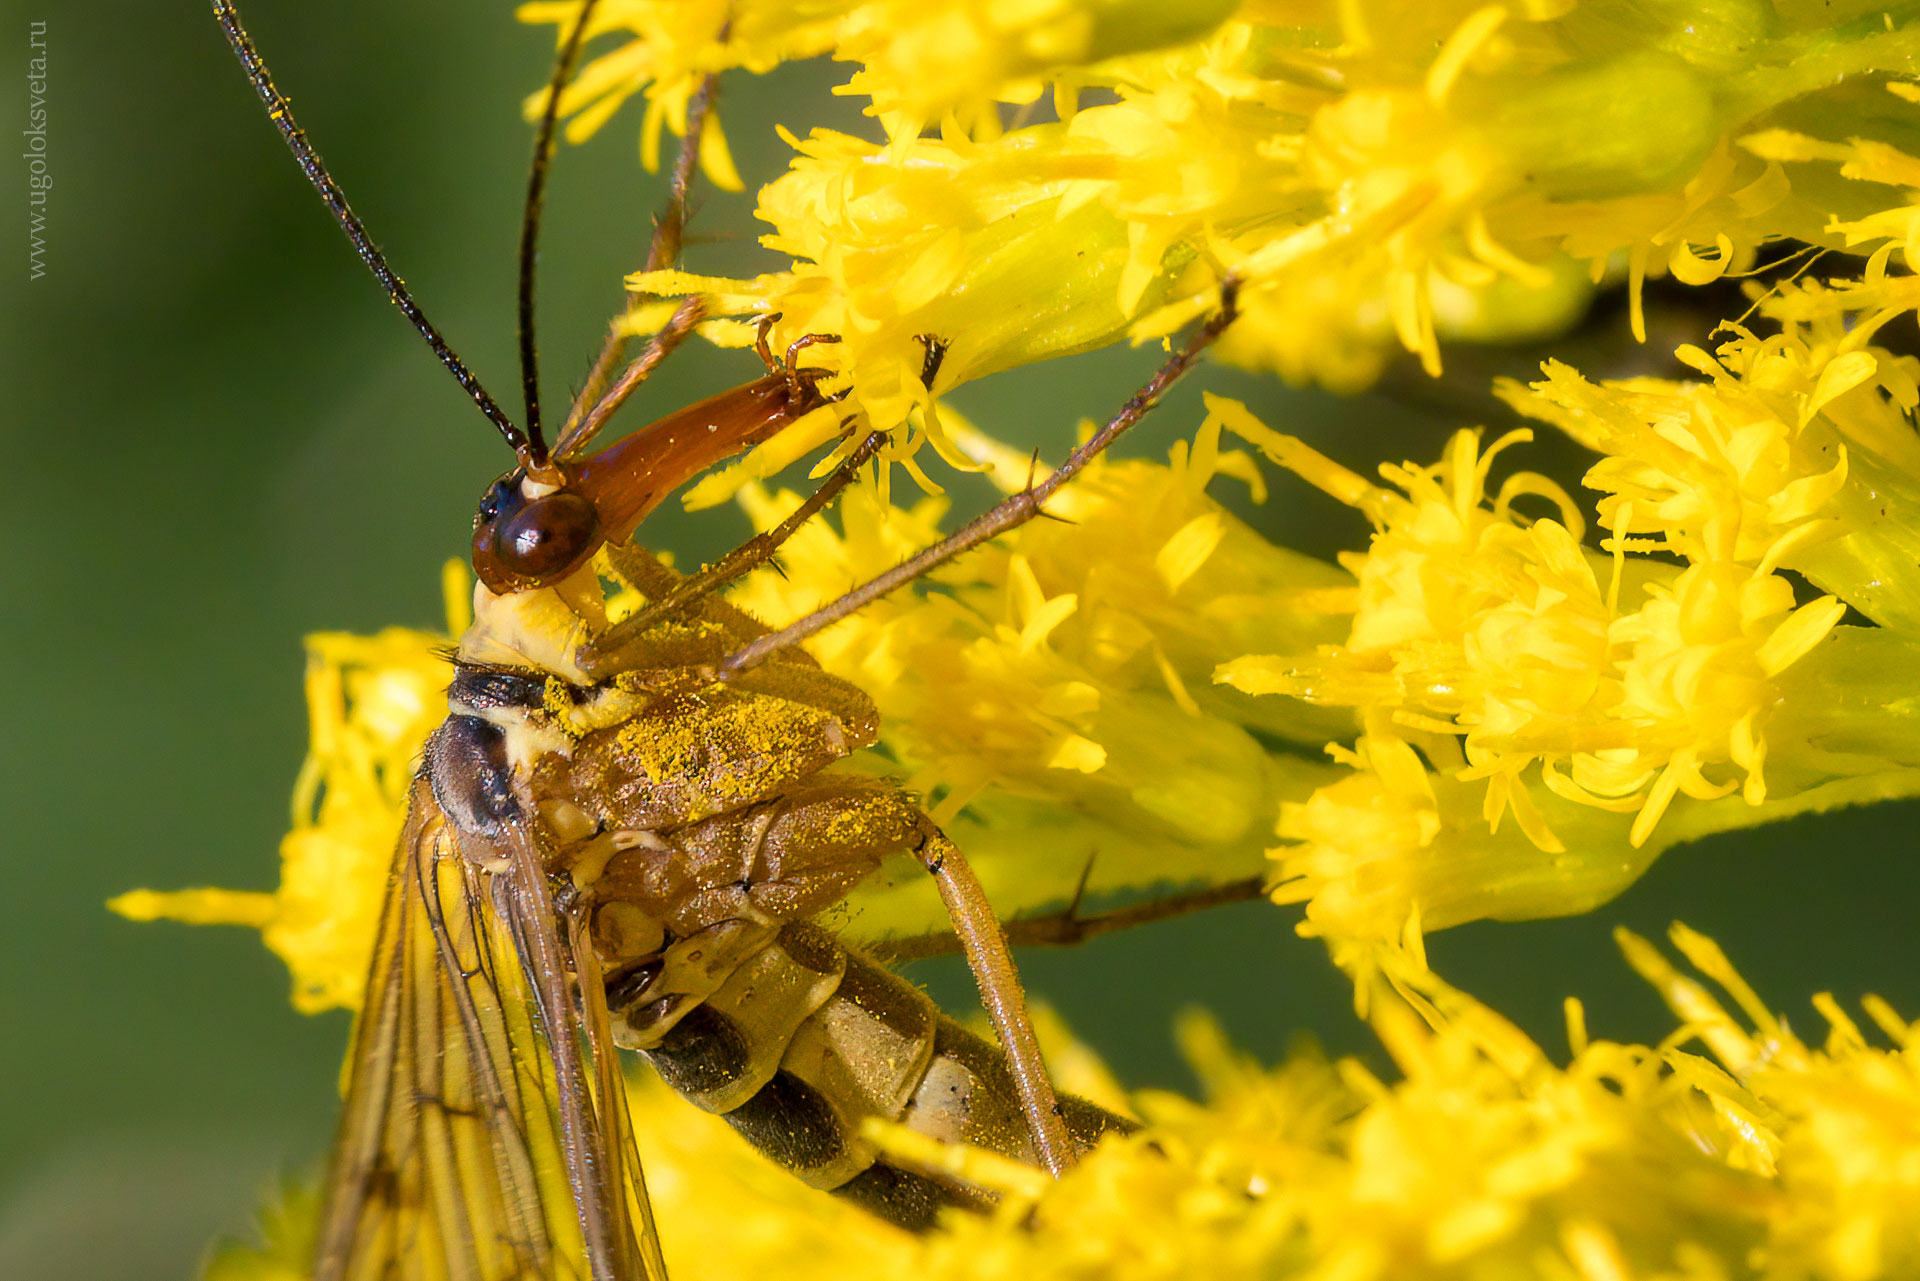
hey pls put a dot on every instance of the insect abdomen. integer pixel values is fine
(806, 1039)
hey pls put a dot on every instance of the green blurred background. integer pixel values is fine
(220, 437)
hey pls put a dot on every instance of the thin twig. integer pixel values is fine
(1064, 929)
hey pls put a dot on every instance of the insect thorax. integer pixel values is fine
(700, 826)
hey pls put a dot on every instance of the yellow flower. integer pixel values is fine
(973, 244)
(1836, 1128)
(671, 47)
(921, 59)
(1582, 694)
(1051, 695)
(1370, 172)
(1394, 848)
(1796, 455)
(1482, 1158)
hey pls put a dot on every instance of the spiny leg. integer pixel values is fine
(598, 659)
(662, 251)
(796, 381)
(640, 569)
(638, 370)
(1010, 513)
(790, 366)
(1000, 992)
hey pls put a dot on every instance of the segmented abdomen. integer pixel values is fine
(806, 1038)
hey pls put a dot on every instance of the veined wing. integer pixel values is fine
(485, 1134)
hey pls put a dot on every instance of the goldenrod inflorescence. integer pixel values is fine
(1505, 705)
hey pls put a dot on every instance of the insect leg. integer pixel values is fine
(662, 251)
(600, 659)
(611, 1087)
(1000, 991)
(659, 347)
(796, 383)
(1010, 513)
(761, 329)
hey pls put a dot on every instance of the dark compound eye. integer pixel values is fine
(548, 535)
(497, 499)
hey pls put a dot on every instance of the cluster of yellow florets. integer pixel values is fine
(1583, 692)
(1372, 173)
(1055, 691)
(1538, 718)
(1762, 1156)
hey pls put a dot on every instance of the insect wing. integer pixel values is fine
(477, 1143)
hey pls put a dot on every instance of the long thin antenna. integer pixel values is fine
(336, 201)
(536, 453)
